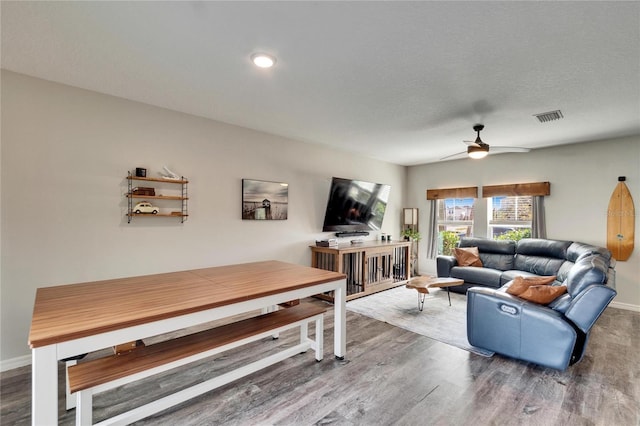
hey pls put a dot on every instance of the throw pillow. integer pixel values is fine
(520, 284)
(467, 256)
(543, 294)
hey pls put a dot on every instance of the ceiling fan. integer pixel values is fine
(478, 149)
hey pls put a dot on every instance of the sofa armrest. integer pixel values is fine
(444, 265)
(587, 306)
(517, 328)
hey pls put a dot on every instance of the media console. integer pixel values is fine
(370, 267)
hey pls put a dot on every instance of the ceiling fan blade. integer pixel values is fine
(509, 149)
(471, 143)
(453, 156)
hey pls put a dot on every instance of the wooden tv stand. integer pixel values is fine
(370, 266)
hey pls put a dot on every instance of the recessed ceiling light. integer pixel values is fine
(263, 60)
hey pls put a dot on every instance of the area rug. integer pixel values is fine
(439, 321)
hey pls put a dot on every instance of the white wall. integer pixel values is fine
(582, 177)
(65, 155)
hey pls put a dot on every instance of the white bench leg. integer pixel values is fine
(267, 310)
(319, 337)
(84, 408)
(304, 332)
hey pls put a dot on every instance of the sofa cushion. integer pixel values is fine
(543, 294)
(587, 270)
(493, 254)
(486, 245)
(537, 265)
(577, 250)
(467, 256)
(543, 248)
(540, 257)
(472, 275)
(511, 275)
(503, 262)
(520, 284)
(564, 270)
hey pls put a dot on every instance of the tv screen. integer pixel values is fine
(355, 205)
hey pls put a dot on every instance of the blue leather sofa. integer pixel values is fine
(553, 335)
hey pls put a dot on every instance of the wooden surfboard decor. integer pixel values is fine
(620, 222)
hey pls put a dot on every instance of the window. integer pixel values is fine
(509, 217)
(455, 220)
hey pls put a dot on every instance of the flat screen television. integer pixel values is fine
(355, 205)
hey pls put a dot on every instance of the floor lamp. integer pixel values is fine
(410, 229)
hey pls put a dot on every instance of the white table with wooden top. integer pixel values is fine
(74, 319)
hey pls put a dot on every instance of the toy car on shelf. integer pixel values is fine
(145, 207)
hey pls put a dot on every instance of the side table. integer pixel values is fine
(422, 285)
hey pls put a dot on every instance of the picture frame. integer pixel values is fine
(264, 200)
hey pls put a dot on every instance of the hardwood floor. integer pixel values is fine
(390, 376)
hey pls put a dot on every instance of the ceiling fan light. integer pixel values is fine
(477, 152)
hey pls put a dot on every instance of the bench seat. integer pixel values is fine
(94, 376)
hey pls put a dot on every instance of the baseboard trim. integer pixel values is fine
(625, 306)
(10, 364)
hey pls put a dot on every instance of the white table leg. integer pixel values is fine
(340, 320)
(71, 400)
(44, 386)
(84, 408)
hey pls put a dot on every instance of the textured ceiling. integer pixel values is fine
(403, 82)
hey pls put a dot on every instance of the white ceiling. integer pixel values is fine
(403, 82)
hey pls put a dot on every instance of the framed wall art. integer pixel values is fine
(264, 200)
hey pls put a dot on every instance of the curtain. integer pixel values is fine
(432, 242)
(538, 222)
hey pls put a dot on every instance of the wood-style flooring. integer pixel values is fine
(390, 377)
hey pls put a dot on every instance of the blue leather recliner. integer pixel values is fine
(553, 335)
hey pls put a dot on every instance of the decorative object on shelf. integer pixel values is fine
(141, 172)
(141, 190)
(264, 200)
(145, 207)
(142, 208)
(168, 174)
(331, 242)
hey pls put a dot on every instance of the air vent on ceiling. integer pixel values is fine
(549, 116)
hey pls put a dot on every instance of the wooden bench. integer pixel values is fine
(98, 375)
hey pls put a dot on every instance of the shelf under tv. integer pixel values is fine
(352, 233)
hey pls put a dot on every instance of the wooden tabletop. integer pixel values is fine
(423, 283)
(67, 312)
